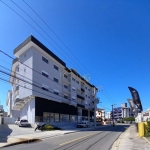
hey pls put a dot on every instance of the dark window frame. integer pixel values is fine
(45, 60)
(56, 67)
(57, 81)
(44, 74)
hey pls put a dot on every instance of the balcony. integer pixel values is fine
(65, 100)
(66, 90)
(80, 96)
(66, 80)
(82, 90)
(80, 105)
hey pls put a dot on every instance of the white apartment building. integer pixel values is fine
(45, 90)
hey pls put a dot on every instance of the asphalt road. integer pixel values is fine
(101, 139)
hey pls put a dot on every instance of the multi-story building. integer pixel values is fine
(44, 89)
(100, 114)
(121, 112)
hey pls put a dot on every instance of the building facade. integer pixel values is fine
(100, 114)
(45, 90)
(121, 112)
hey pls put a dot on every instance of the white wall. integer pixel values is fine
(28, 111)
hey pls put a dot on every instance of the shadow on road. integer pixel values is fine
(5, 131)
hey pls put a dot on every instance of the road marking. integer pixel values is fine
(76, 139)
(146, 140)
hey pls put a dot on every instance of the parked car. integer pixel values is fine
(23, 122)
(17, 121)
(83, 124)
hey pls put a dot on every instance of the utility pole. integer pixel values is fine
(112, 116)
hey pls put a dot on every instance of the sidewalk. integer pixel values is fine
(37, 135)
(129, 140)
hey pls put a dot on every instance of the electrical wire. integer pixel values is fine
(41, 35)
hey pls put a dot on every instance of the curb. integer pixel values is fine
(44, 137)
(146, 140)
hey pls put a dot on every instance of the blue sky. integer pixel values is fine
(110, 38)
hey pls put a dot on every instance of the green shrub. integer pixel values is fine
(147, 128)
(50, 127)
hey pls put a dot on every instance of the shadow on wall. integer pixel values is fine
(5, 131)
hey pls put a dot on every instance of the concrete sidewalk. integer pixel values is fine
(129, 140)
(37, 135)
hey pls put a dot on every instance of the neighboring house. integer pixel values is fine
(146, 115)
(45, 90)
(100, 114)
(10, 111)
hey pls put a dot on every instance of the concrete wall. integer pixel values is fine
(28, 111)
(9, 120)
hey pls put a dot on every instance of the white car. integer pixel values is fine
(83, 124)
(23, 122)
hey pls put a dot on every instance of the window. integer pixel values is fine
(44, 87)
(56, 92)
(44, 59)
(65, 86)
(86, 95)
(55, 67)
(86, 87)
(77, 82)
(24, 70)
(73, 98)
(18, 69)
(73, 79)
(56, 80)
(45, 74)
(65, 96)
(24, 55)
(65, 76)
(73, 89)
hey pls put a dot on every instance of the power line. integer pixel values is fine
(61, 41)
(37, 31)
(25, 80)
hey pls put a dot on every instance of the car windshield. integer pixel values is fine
(24, 121)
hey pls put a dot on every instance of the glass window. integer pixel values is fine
(77, 82)
(73, 79)
(56, 67)
(73, 89)
(65, 76)
(44, 88)
(44, 74)
(56, 80)
(73, 118)
(51, 117)
(64, 117)
(65, 96)
(56, 93)
(44, 59)
(56, 117)
(65, 86)
(46, 117)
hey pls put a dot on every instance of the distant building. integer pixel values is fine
(108, 116)
(100, 114)
(146, 115)
(121, 112)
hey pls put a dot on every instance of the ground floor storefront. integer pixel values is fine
(44, 110)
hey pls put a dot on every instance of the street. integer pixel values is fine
(100, 139)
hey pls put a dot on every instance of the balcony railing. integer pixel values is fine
(68, 80)
(67, 90)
